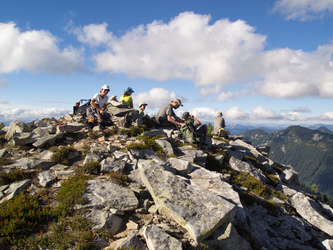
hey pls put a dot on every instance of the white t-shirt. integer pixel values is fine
(101, 101)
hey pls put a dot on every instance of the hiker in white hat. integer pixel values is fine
(95, 112)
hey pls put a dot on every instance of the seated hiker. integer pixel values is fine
(138, 114)
(126, 98)
(193, 130)
(96, 111)
(219, 126)
(166, 116)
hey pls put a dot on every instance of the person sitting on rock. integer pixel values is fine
(166, 116)
(219, 126)
(96, 110)
(193, 130)
(126, 98)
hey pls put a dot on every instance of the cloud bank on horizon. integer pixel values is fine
(189, 47)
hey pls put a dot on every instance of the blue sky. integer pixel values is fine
(257, 61)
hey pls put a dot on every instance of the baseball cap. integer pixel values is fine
(129, 89)
(105, 87)
(185, 115)
(219, 113)
(177, 100)
(142, 103)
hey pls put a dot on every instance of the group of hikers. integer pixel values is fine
(192, 130)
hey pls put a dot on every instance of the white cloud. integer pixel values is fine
(293, 74)
(213, 55)
(34, 51)
(187, 47)
(27, 115)
(327, 116)
(262, 113)
(92, 34)
(304, 10)
(225, 96)
(234, 113)
(294, 116)
(156, 97)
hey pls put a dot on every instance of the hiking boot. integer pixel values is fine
(90, 126)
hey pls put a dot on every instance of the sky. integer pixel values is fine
(257, 61)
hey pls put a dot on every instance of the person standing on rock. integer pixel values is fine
(166, 116)
(96, 110)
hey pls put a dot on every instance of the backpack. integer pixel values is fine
(188, 131)
(222, 133)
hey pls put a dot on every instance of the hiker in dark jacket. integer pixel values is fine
(199, 129)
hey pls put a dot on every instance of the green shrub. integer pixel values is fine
(256, 186)
(19, 217)
(137, 145)
(60, 155)
(2, 125)
(135, 131)
(5, 161)
(92, 167)
(119, 178)
(14, 176)
(70, 193)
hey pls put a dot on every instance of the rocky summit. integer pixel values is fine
(229, 195)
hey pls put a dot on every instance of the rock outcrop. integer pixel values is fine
(186, 199)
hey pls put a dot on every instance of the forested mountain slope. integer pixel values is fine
(310, 152)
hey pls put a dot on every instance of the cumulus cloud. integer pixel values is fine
(26, 115)
(328, 116)
(188, 47)
(304, 10)
(156, 97)
(293, 74)
(34, 51)
(212, 55)
(263, 113)
(235, 113)
(92, 34)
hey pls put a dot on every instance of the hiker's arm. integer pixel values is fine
(177, 121)
(96, 106)
(196, 120)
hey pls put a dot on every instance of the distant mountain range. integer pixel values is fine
(309, 151)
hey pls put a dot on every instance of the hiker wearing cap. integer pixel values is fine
(166, 116)
(142, 107)
(219, 125)
(126, 98)
(96, 110)
(197, 127)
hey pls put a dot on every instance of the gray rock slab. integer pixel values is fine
(167, 147)
(246, 167)
(132, 241)
(47, 140)
(116, 166)
(91, 158)
(306, 208)
(46, 177)
(64, 174)
(103, 219)
(70, 127)
(182, 167)
(21, 139)
(103, 193)
(15, 188)
(195, 156)
(28, 163)
(157, 239)
(196, 209)
(226, 237)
